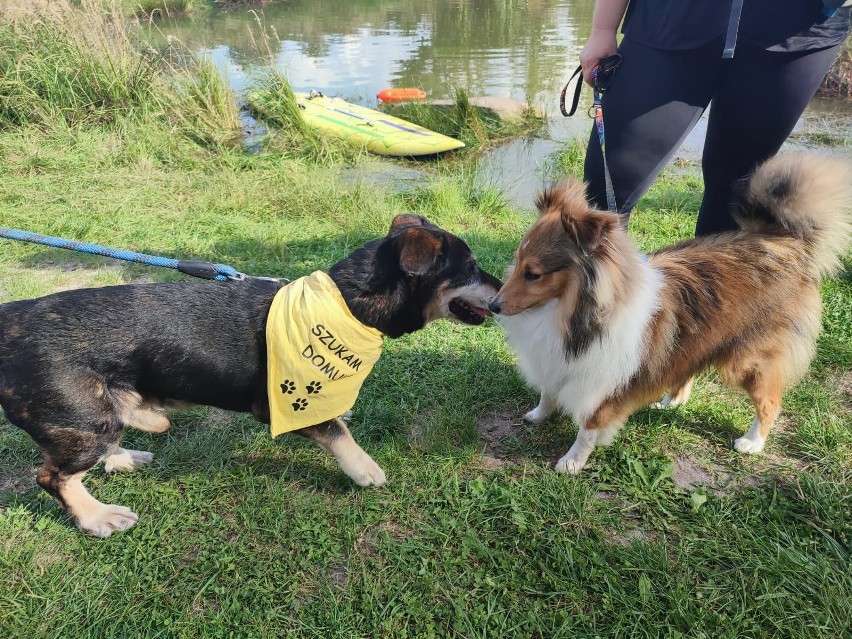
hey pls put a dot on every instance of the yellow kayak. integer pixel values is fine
(380, 132)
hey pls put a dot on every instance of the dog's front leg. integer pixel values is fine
(334, 437)
(545, 408)
(599, 430)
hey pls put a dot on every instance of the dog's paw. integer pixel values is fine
(127, 460)
(676, 397)
(106, 520)
(364, 471)
(569, 465)
(749, 446)
(670, 401)
(665, 402)
(536, 416)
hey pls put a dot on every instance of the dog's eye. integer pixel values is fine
(529, 276)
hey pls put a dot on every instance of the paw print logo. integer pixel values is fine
(313, 387)
(300, 404)
(288, 387)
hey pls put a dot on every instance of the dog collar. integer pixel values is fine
(318, 354)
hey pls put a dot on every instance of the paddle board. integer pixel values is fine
(381, 133)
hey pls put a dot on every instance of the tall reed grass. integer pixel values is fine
(478, 127)
(83, 64)
(160, 8)
(274, 102)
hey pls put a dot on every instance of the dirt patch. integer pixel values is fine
(690, 474)
(627, 538)
(497, 431)
(417, 430)
(17, 476)
(395, 530)
(843, 382)
(494, 463)
(338, 576)
(17, 484)
(782, 463)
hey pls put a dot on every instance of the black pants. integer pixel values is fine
(657, 97)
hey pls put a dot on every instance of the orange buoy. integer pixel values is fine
(401, 95)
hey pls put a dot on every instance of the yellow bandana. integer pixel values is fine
(318, 354)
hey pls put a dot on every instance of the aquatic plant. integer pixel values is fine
(273, 101)
(478, 127)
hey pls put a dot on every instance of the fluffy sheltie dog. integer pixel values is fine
(601, 329)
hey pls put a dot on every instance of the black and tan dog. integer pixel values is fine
(78, 367)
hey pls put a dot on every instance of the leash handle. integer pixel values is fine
(602, 75)
(576, 100)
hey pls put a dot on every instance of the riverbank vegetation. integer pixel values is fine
(667, 533)
(838, 82)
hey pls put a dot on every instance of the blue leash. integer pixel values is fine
(204, 270)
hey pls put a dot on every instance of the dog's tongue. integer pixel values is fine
(482, 312)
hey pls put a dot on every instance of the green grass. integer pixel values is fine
(668, 533)
(273, 102)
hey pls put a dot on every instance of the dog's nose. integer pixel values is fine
(494, 306)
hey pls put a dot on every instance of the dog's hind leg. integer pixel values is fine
(334, 437)
(677, 396)
(765, 388)
(68, 454)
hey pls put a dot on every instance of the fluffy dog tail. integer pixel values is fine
(808, 196)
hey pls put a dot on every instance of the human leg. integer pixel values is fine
(760, 97)
(654, 100)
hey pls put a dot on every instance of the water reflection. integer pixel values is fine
(519, 49)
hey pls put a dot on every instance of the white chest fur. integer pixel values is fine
(580, 384)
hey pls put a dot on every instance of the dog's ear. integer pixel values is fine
(588, 228)
(569, 194)
(419, 250)
(408, 219)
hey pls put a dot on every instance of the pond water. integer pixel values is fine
(518, 49)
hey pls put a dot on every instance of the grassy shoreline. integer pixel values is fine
(838, 81)
(668, 533)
